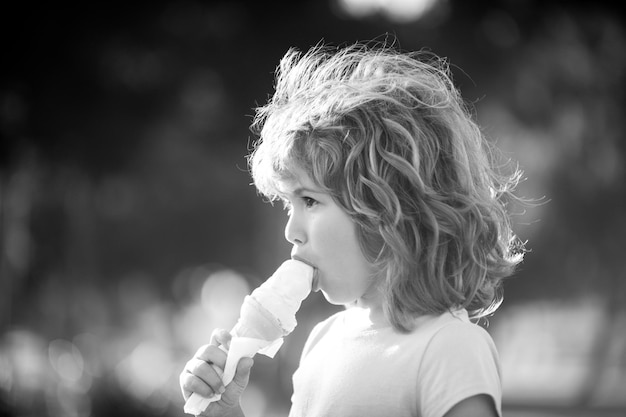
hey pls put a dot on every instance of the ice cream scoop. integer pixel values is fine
(266, 316)
(278, 298)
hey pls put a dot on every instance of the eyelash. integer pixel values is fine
(308, 203)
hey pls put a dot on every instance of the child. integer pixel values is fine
(393, 200)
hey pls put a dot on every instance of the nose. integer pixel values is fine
(294, 230)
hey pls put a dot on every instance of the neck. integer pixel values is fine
(374, 313)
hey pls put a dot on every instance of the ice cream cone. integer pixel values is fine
(256, 322)
(266, 316)
(283, 292)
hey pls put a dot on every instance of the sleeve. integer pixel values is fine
(460, 361)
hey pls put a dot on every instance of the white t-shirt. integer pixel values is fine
(349, 368)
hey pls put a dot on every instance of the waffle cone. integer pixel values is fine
(257, 322)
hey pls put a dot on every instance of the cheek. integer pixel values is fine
(343, 250)
(339, 238)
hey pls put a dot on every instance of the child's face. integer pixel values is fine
(324, 236)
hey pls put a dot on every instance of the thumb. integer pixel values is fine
(242, 375)
(239, 383)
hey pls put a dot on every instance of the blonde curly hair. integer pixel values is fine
(387, 134)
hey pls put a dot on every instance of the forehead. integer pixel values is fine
(295, 183)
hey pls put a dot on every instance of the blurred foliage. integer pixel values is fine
(125, 198)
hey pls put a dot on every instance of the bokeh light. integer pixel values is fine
(398, 11)
(221, 295)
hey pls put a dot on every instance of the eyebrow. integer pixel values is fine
(300, 191)
(304, 190)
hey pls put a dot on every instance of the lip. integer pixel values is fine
(315, 282)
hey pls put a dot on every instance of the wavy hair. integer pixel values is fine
(388, 135)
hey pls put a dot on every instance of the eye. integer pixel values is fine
(309, 202)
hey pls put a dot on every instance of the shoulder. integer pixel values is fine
(322, 329)
(460, 361)
(457, 335)
(323, 326)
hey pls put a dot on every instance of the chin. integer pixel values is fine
(338, 301)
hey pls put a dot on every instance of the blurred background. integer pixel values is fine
(129, 229)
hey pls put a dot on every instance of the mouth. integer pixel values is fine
(315, 280)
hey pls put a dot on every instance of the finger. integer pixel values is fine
(211, 354)
(182, 381)
(191, 383)
(221, 337)
(208, 372)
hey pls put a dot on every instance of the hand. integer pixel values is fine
(203, 375)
